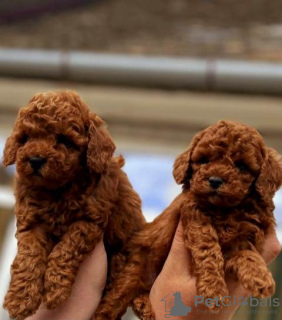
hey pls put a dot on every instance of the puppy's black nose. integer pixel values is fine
(215, 182)
(36, 162)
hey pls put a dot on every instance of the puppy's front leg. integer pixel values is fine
(202, 241)
(65, 259)
(251, 271)
(27, 274)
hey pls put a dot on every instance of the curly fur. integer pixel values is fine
(224, 229)
(65, 208)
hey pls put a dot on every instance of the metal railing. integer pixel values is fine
(162, 72)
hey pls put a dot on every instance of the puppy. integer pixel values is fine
(70, 191)
(229, 178)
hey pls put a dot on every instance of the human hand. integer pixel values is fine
(176, 275)
(86, 292)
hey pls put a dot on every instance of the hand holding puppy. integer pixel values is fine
(177, 274)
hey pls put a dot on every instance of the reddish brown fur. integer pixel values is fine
(224, 229)
(63, 210)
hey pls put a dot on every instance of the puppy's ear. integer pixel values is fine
(270, 178)
(100, 146)
(11, 147)
(182, 163)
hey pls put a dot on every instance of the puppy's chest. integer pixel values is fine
(56, 217)
(236, 228)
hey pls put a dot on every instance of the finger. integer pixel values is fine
(86, 291)
(94, 269)
(179, 258)
(271, 247)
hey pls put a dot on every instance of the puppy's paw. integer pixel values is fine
(22, 302)
(142, 308)
(57, 288)
(55, 295)
(259, 284)
(218, 302)
(104, 316)
(217, 291)
(107, 311)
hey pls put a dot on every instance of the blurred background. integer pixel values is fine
(157, 72)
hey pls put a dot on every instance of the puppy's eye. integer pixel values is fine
(61, 139)
(203, 160)
(241, 166)
(23, 139)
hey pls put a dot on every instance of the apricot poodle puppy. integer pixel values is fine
(229, 178)
(70, 191)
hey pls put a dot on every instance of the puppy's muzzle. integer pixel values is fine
(36, 163)
(215, 182)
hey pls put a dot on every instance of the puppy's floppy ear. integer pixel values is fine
(183, 161)
(100, 146)
(11, 147)
(270, 178)
(10, 151)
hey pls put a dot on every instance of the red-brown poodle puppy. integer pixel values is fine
(70, 191)
(229, 178)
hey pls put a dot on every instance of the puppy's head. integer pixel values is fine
(55, 138)
(225, 161)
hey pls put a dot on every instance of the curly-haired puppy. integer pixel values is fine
(70, 191)
(229, 178)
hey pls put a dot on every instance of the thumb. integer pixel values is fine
(272, 247)
(179, 258)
